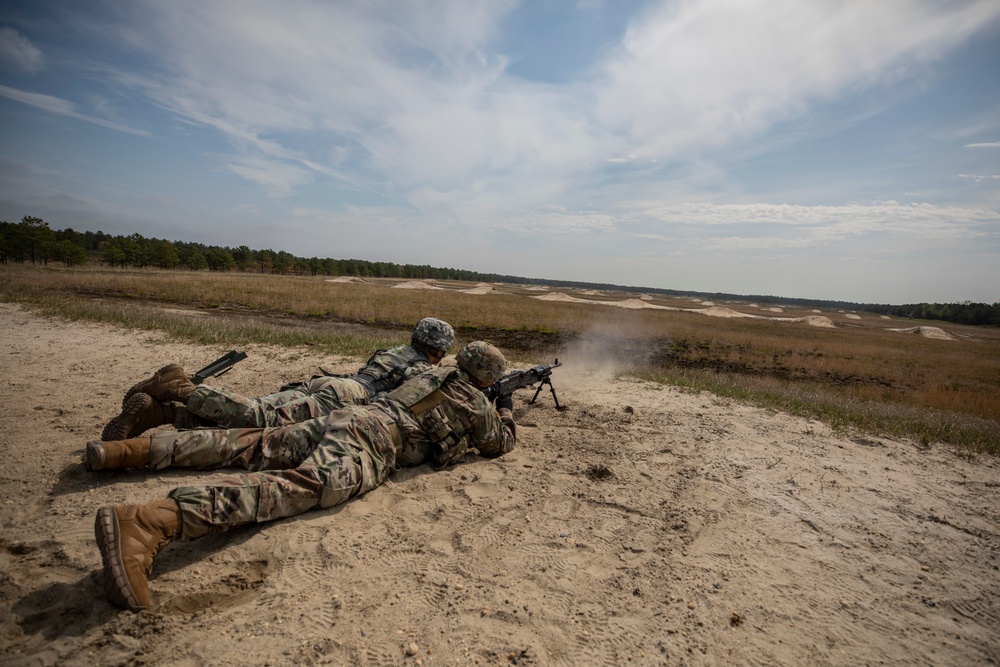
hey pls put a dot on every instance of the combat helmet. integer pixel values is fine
(434, 333)
(482, 361)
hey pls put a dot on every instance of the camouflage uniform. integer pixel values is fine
(321, 395)
(436, 416)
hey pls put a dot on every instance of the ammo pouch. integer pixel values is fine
(449, 434)
(447, 429)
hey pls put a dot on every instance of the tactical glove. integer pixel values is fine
(505, 402)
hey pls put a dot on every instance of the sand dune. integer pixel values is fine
(927, 332)
(722, 311)
(713, 311)
(819, 321)
(416, 284)
(560, 296)
(635, 304)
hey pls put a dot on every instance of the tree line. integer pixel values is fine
(32, 240)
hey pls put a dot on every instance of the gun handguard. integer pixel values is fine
(515, 380)
(221, 365)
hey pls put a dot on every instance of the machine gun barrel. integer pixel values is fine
(515, 380)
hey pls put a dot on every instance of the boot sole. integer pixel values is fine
(116, 584)
(95, 457)
(121, 427)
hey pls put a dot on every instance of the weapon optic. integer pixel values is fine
(515, 380)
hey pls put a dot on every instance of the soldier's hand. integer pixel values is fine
(505, 402)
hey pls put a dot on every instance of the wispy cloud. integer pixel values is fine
(64, 108)
(277, 179)
(980, 178)
(823, 223)
(797, 215)
(425, 103)
(558, 221)
(18, 53)
(758, 227)
(990, 144)
(694, 75)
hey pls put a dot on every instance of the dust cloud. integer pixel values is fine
(596, 356)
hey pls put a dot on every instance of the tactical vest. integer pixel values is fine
(447, 429)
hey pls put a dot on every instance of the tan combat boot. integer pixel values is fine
(129, 537)
(140, 412)
(170, 383)
(118, 454)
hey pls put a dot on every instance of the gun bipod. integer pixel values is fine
(552, 388)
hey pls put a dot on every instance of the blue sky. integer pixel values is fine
(844, 149)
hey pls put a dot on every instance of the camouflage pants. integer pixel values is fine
(316, 398)
(316, 463)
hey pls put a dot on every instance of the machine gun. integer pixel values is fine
(218, 367)
(515, 380)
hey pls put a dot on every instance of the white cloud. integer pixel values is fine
(991, 144)
(847, 230)
(763, 243)
(558, 221)
(698, 74)
(64, 108)
(415, 99)
(19, 53)
(980, 178)
(824, 223)
(277, 179)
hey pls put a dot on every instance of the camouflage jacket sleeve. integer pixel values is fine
(493, 434)
(387, 369)
(507, 423)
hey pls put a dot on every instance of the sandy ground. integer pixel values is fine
(642, 525)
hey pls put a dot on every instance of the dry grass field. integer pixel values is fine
(931, 381)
